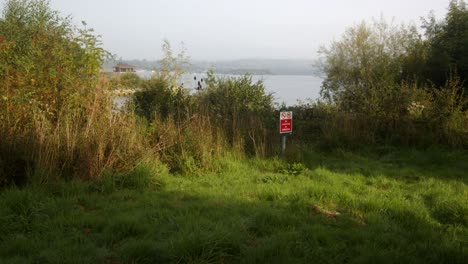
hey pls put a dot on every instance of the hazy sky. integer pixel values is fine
(222, 29)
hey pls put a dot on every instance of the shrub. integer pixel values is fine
(243, 109)
(55, 115)
(46, 64)
(377, 97)
(158, 99)
(126, 80)
(84, 144)
(191, 146)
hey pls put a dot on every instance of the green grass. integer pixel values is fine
(395, 207)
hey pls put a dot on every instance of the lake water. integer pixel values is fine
(291, 88)
(285, 88)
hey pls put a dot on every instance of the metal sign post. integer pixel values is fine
(285, 128)
(283, 144)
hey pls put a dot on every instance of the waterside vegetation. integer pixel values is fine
(375, 171)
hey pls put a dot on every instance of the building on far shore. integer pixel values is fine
(124, 68)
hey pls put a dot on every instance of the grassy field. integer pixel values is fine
(337, 207)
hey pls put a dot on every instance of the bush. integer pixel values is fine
(243, 109)
(126, 80)
(376, 96)
(85, 145)
(190, 147)
(158, 99)
(46, 64)
(55, 114)
(447, 116)
(294, 169)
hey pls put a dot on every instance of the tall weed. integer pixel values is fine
(81, 143)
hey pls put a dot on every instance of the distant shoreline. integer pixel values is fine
(233, 67)
(221, 73)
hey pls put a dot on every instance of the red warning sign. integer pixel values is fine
(285, 122)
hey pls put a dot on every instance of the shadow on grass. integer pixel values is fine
(79, 225)
(407, 165)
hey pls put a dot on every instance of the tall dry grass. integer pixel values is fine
(83, 143)
(190, 145)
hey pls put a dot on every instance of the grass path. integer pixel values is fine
(406, 207)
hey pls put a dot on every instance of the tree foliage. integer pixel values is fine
(365, 65)
(158, 99)
(163, 95)
(49, 71)
(447, 45)
(173, 66)
(389, 84)
(46, 64)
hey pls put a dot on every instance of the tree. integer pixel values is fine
(173, 67)
(366, 65)
(163, 95)
(46, 64)
(49, 70)
(389, 83)
(448, 45)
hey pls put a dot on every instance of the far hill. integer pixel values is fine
(241, 66)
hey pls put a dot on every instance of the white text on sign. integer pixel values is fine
(285, 122)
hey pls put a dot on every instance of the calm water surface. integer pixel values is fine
(291, 88)
(285, 88)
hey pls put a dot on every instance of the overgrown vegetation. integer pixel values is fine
(53, 110)
(57, 119)
(128, 80)
(381, 87)
(193, 177)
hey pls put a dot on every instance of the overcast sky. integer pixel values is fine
(234, 29)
